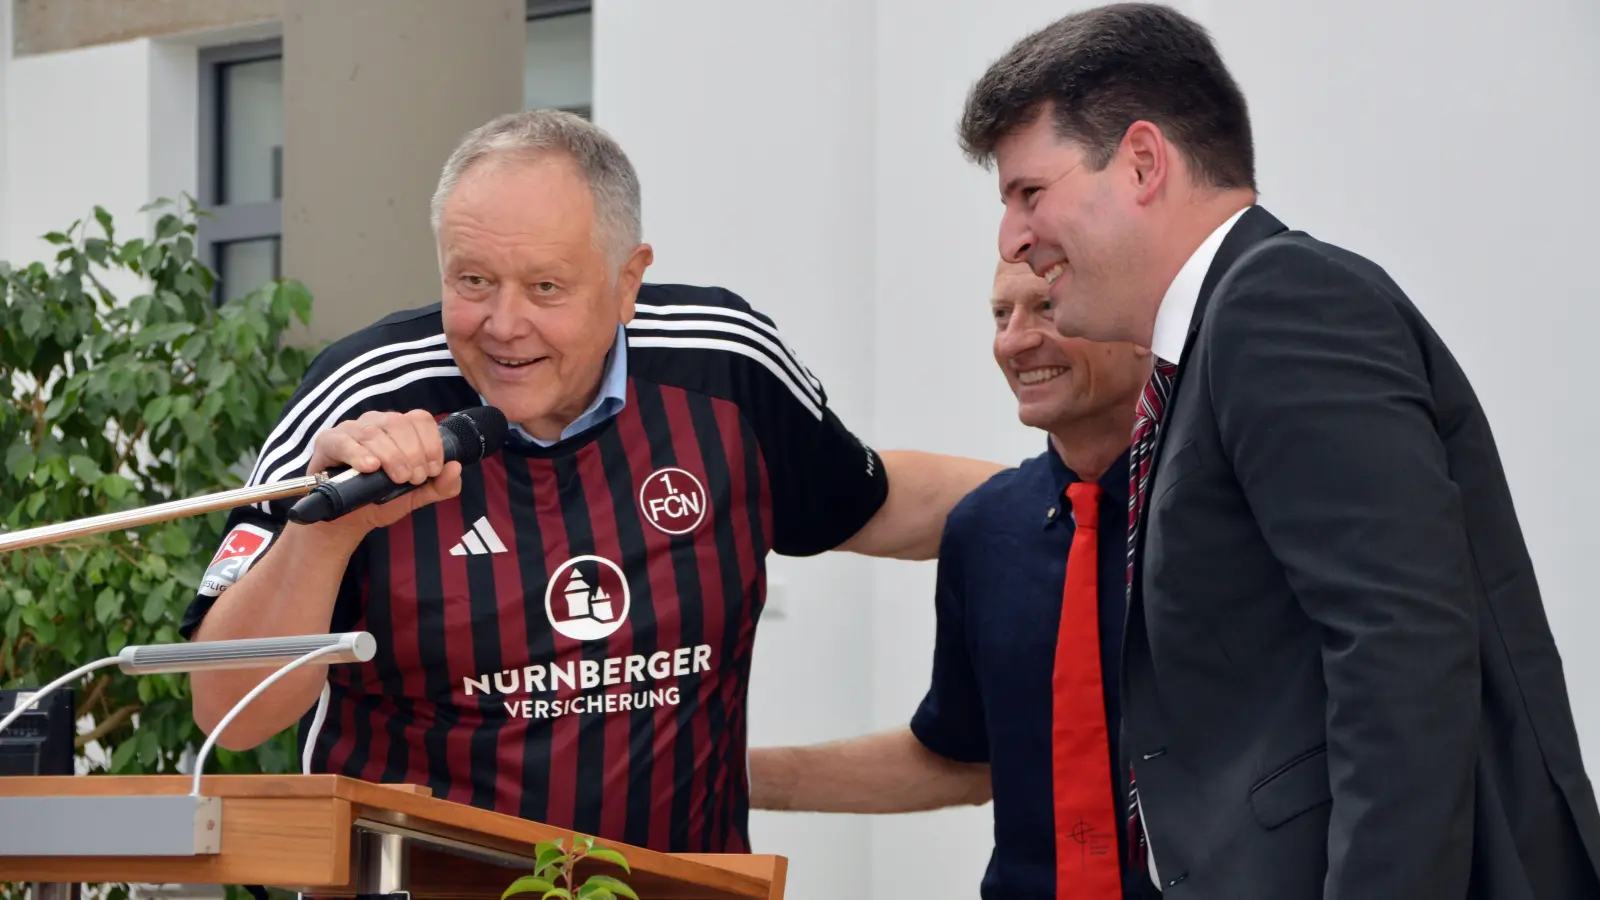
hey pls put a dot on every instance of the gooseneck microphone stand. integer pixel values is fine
(160, 512)
(182, 825)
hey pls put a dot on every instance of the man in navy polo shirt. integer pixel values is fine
(1020, 709)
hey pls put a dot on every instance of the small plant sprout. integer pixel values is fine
(553, 872)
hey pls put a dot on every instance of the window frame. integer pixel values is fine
(545, 9)
(552, 9)
(229, 223)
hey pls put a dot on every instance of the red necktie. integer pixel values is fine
(1086, 840)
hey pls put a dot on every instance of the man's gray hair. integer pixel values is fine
(535, 132)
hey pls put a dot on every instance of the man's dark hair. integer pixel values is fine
(1103, 69)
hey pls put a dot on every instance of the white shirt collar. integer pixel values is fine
(1177, 307)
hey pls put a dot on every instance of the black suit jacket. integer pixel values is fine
(1338, 679)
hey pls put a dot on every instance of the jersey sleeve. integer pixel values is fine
(330, 392)
(950, 719)
(826, 483)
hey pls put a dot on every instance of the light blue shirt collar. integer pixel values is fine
(608, 401)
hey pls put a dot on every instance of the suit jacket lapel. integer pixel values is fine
(1255, 226)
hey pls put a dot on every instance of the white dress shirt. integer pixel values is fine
(1177, 307)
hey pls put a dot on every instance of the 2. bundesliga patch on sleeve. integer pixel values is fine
(239, 549)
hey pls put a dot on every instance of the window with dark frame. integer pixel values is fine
(241, 135)
(558, 58)
(241, 165)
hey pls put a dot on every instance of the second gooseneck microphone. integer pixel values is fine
(468, 437)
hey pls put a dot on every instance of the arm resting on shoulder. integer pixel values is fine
(887, 772)
(1326, 412)
(923, 487)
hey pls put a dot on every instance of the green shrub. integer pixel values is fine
(116, 403)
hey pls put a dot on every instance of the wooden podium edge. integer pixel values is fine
(413, 807)
(774, 870)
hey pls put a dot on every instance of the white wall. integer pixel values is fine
(830, 192)
(5, 67)
(112, 125)
(761, 184)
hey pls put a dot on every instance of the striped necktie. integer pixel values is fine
(1146, 424)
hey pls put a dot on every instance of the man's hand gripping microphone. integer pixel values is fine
(468, 437)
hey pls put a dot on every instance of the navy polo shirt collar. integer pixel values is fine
(1114, 481)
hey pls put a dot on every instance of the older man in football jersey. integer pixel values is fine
(564, 630)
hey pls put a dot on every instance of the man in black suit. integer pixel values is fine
(1338, 678)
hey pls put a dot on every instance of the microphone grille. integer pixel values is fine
(479, 432)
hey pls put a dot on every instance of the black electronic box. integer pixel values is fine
(39, 742)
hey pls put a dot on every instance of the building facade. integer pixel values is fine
(803, 155)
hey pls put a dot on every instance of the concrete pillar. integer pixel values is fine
(376, 95)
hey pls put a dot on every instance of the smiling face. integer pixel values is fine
(1087, 232)
(1059, 382)
(531, 303)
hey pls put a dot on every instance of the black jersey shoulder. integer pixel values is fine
(709, 340)
(399, 363)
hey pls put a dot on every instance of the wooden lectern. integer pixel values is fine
(322, 835)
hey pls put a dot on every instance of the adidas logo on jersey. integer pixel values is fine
(479, 541)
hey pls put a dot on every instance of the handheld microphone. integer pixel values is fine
(468, 437)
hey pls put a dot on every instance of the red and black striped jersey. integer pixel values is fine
(569, 640)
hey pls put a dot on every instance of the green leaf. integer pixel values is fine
(32, 321)
(107, 605)
(123, 756)
(612, 885)
(155, 335)
(131, 251)
(610, 856)
(156, 410)
(56, 237)
(174, 304)
(84, 468)
(213, 403)
(44, 630)
(115, 641)
(104, 218)
(19, 461)
(561, 893)
(115, 486)
(176, 542)
(186, 283)
(219, 378)
(546, 857)
(155, 607)
(168, 226)
(592, 891)
(293, 297)
(527, 884)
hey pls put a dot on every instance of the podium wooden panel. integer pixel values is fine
(314, 834)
